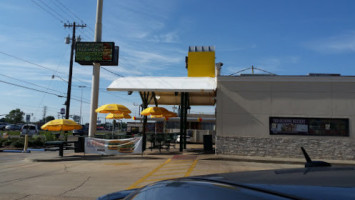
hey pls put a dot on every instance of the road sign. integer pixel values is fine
(105, 53)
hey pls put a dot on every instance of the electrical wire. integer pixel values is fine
(38, 65)
(73, 14)
(29, 83)
(53, 10)
(17, 85)
(117, 74)
(47, 11)
(37, 90)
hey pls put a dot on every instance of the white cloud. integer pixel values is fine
(172, 37)
(335, 44)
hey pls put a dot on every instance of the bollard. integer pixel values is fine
(25, 145)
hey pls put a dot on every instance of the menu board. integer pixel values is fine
(309, 126)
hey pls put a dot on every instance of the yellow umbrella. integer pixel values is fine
(158, 112)
(166, 115)
(113, 108)
(118, 116)
(61, 125)
(154, 111)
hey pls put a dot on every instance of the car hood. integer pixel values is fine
(306, 183)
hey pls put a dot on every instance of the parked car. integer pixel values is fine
(2, 125)
(29, 129)
(82, 132)
(12, 127)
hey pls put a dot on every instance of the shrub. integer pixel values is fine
(36, 141)
(17, 142)
(7, 142)
(49, 136)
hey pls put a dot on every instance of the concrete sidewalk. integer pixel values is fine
(156, 154)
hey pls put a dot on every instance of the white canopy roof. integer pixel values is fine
(164, 84)
(167, 89)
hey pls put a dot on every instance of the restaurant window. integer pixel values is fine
(309, 126)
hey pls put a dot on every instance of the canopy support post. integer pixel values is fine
(187, 105)
(183, 119)
(144, 97)
(155, 99)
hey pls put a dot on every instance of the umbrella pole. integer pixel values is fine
(112, 130)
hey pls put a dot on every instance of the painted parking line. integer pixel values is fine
(175, 167)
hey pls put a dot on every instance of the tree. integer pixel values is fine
(49, 118)
(15, 116)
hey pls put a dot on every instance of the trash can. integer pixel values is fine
(207, 143)
(79, 146)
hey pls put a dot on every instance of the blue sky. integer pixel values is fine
(280, 36)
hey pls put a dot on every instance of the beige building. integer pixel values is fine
(276, 115)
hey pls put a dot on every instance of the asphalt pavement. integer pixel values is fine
(45, 175)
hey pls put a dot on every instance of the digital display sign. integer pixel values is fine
(105, 53)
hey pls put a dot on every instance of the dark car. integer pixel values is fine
(318, 180)
(82, 132)
(2, 125)
(12, 127)
(318, 183)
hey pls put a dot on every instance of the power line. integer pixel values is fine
(61, 96)
(63, 9)
(73, 14)
(32, 63)
(31, 88)
(50, 8)
(117, 74)
(29, 83)
(67, 10)
(38, 65)
(47, 11)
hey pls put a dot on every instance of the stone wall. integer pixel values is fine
(333, 148)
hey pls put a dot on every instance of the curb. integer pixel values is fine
(15, 151)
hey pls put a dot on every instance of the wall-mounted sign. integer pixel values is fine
(105, 53)
(309, 126)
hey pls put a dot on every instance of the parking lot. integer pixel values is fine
(45, 175)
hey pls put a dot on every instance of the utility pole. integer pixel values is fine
(95, 72)
(67, 103)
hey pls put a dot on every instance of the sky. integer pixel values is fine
(283, 37)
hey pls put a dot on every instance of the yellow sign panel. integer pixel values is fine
(201, 64)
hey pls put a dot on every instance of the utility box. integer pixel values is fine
(200, 61)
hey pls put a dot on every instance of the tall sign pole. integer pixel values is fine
(95, 73)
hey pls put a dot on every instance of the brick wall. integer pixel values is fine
(287, 147)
